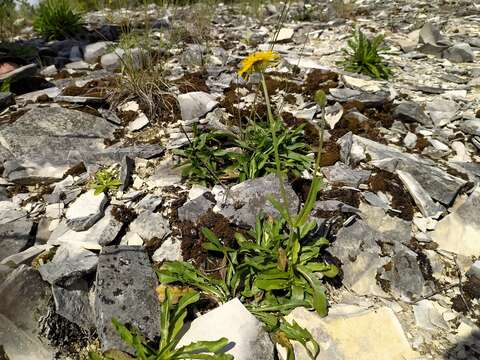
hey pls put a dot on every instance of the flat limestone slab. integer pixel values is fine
(350, 332)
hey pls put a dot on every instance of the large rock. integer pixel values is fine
(86, 210)
(459, 232)
(69, 263)
(358, 248)
(411, 112)
(73, 304)
(24, 298)
(149, 225)
(340, 174)
(459, 53)
(45, 142)
(245, 201)
(352, 332)
(195, 104)
(20, 345)
(248, 339)
(125, 290)
(439, 184)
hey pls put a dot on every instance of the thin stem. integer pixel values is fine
(273, 130)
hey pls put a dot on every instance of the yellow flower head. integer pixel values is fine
(258, 61)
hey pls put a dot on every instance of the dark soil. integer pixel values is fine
(320, 80)
(193, 82)
(192, 239)
(402, 200)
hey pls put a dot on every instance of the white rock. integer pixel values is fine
(361, 84)
(86, 210)
(438, 145)
(25, 256)
(196, 104)
(461, 152)
(428, 316)
(170, 250)
(234, 322)
(351, 332)
(54, 211)
(94, 51)
(139, 123)
(100, 234)
(442, 111)
(131, 238)
(410, 140)
(285, 34)
(459, 232)
(129, 106)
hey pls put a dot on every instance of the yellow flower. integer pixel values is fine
(258, 61)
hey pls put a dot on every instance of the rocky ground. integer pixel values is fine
(400, 202)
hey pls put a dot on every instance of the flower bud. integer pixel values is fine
(321, 98)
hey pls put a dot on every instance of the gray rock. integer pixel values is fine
(232, 320)
(442, 111)
(459, 53)
(15, 236)
(46, 142)
(411, 112)
(84, 100)
(340, 174)
(439, 184)
(24, 297)
(149, 225)
(429, 34)
(6, 99)
(127, 168)
(357, 248)
(459, 231)
(471, 127)
(100, 234)
(333, 206)
(426, 205)
(394, 230)
(196, 104)
(69, 263)
(368, 99)
(192, 210)
(248, 199)
(20, 345)
(474, 270)
(19, 73)
(150, 202)
(73, 304)
(404, 275)
(113, 60)
(94, 51)
(86, 210)
(125, 290)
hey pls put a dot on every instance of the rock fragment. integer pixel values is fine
(125, 290)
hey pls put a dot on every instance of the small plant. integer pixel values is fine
(206, 162)
(106, 181)
(258, 158)
(57, 20)
(364, 56)
(171, 323)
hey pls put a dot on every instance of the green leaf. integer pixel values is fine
(319, 298)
